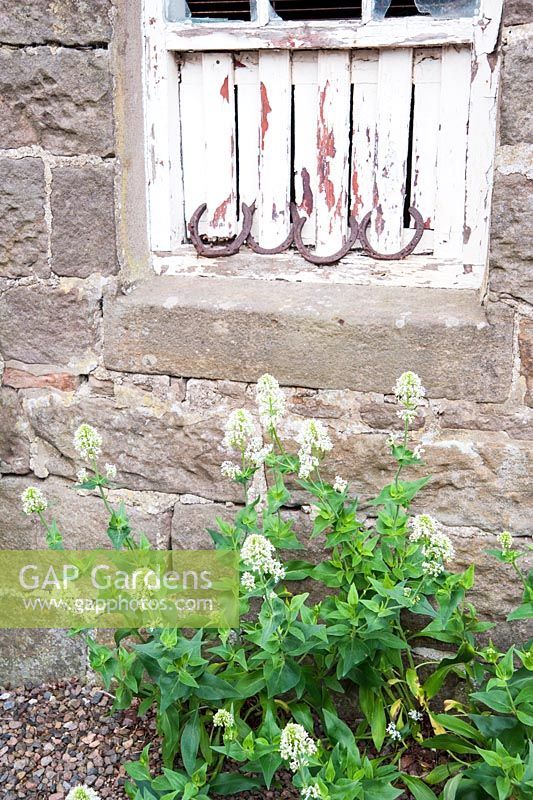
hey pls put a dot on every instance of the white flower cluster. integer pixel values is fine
(296, 746)
(87, 442)
(314, 441)
(239, 428)
(82, 793)
(311, 792)
(339, 485)
(437, 547)
(82, 475)
(223, 719)
(415, 715)
(248, 581)
(270, 401)
(258, 554)
(33, 500)
(239, 435)
(110, 471)
(506, 541)
(393, 732)
(409, 393)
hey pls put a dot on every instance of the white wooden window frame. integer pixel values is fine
(165, 194)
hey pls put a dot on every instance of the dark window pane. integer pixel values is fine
(319, 9)
(220, 9)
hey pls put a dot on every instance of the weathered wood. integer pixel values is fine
(426, 79)
(365, 67)
(305, 81)
(162, 140)
(248, 123)
(451, 153)
(332, 149)
(485, 71)
(220, 144)
(400, 32)
(274, 147)
(193, 135)
(392, 139)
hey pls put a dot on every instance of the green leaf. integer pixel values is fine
(450, 790)
(418, 788)
(458, 726)
(232, 782)
(338, 730)
(190, 741)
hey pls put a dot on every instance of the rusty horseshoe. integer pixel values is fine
(230, 249)
(268, 251)
(299, 222)
(405, 251)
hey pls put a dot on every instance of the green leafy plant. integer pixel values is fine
(233, 707)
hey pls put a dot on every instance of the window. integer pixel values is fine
(280, 103)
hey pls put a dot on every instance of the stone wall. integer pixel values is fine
(157, 370)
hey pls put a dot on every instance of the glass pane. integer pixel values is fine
(207, 10)
(317, 9)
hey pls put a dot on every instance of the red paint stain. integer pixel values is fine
(427, 224)
(357, 199)
(379, 222)
(224, 89)
(219, 217)
(325, 151)
(307, 193)
(238, 64)
(265, 111)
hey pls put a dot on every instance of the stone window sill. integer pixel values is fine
(319, 336)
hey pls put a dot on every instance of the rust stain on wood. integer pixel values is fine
(307, 193)
(265, 111)
(224, 89)
(220, 212)
(325, 151)
(357, 199)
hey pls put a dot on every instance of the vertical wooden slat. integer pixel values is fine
(304, 78)
(392, 138)
(220, 141)
(248, 115)
(485, 73)
(274, 146)
(333, 149)
(163, 157)
(426, 78)
(451, 153)
(365, 64)
(192, 135)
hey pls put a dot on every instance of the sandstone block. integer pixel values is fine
(45, 324)
(517, 12)
(355, 337)
(511, 244)
(14, 441)
(81, 518)
(22, 379)
(32, 656)
(46, 21)
(517, 86)
(83, 221)
(61, 100)
(525, 342)
(23, 235)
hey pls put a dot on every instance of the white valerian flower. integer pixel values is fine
(110, 471)
(82, 793)
(270, 401)
(415, 715)
(339, 484)
(230, 470)
(87, 442)
(248, 581)
(33, 500)
(223, 719)
(233, 636)
(239, 428)
(311, 792)
(437, 547)
(258, 554)
(506, 541)
(255, 453)
(409, 393)
(296, 746)
(82, 475)
(314, 441)
(393, 732)
(418, 451)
